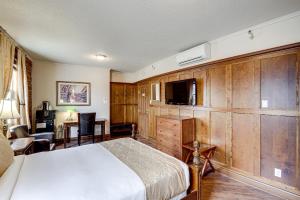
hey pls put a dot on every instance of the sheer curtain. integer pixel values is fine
(23, 89)
(17, 87)
(7, 55)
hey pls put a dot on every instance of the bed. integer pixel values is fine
(118, 169)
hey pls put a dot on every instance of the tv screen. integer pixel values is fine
(181, 92)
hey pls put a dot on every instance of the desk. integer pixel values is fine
(21, 145)
(206, 152)
(68, 124)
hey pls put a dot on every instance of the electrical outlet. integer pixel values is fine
(264, 103)
(277, 172)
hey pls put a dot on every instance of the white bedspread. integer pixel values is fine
(86, 172)
(10, 177)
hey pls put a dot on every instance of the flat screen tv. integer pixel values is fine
(181, 92)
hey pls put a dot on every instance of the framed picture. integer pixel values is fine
(73, 93)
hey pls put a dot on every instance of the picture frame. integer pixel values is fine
(71, 93)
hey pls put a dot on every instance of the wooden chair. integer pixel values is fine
(86, 125)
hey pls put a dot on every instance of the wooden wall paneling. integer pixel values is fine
(228, 89)
(257, 130)
(153, 113)
(140, 99)
(217, 76)
(131, 103)
(244, 141)
(130, 94)
(143, 120)
(186, 112)
(298, 82)
(257, 146)
(201, 76)
(174, 110)
(117, 101)
(131, 114)
(298, 122)
(148, 93)
(298, 154)
(228, 139)
(143, 97)
(164, 111)
(152, 122)
(245, 84)
(207, 102)
(123, 103)
(278, 81)
(278, 144)
(163, 81)
(232, 94)
(185, 75)
(117, 114)
(173, 77)
(117, 93)
(188, 132)
(218, 135)
(143, 109)
(202, 126)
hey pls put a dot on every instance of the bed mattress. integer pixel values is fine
(85, 172)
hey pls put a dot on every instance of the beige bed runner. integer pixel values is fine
(162, 175)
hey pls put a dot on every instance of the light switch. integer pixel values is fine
(104, 100)
(277, 172)
(264, 103)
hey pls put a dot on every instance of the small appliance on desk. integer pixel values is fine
(44, 120)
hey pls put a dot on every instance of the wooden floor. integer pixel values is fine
(215, 186)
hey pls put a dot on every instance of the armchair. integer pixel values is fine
(41, 142)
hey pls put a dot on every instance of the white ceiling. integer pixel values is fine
(133, 33)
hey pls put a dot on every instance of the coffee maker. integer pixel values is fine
(44, 120)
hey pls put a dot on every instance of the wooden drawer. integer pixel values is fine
(170, 152)
(172, 144)
(170, 137)
(168, 124)
(168, 133)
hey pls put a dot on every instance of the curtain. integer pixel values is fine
(7, 55)
(23, 89)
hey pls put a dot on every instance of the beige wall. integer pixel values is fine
(277, 32)
(45, 75)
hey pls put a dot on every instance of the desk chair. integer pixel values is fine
(86, 125)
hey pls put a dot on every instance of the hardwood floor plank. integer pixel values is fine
(218, 186)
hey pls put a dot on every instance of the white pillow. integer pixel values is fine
(6, 154)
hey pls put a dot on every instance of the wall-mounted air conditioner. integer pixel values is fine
(201, 52)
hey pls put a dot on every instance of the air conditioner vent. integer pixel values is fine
(201, 52)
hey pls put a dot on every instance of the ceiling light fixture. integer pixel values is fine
(101, 56)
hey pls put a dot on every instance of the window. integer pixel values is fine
(13, 93)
